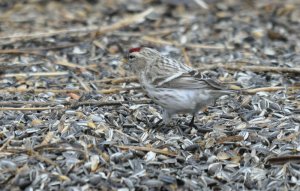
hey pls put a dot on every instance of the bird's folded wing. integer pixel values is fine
(187, 81)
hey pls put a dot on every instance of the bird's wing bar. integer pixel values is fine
(170, 78)
(186, 81)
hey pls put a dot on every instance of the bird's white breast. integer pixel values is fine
(178, 101)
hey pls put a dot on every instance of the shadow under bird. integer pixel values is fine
(174, 86)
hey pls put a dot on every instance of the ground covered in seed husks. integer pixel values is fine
(72, 115)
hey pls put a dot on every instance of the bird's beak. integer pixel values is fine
(124, 60)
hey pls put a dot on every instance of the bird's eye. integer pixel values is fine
(131, 57)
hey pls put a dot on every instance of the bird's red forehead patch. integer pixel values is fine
(135, 49)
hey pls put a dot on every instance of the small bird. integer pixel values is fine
(174, 86)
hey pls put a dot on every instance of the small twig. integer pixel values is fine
(17, 66)
(42, 158)
(157, 32)
(14, 90)
(35, 50)
(252, 68)
(21, 51)
(265, 69)
(36, 74)
(128, 136)
(31, 153)
(58, 149)
(85, 30)
(124, 22)
(4, 145)
(186, 57)
(82, 83)
(31, 103)
(47, 138)
(234, 138)
(270, 89)
(284, 159)
(177, 44)
(125, 79)
(160, 151)
(116, 90)
(111, 103)
(33, 90)
(15, 105)
(35, 35)
(64, 62)
(117, 80)
(29, 108)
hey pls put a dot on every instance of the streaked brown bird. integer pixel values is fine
(174, 86)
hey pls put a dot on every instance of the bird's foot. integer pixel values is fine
(159, 126)
(192, 124)
(184, 129)
(179, 130)
(156, 124)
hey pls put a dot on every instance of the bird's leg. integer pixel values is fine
(191, 124)
(199, 128)
(157, 123)
(165, 119)
(184, 128)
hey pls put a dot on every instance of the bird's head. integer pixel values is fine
(139, 58)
